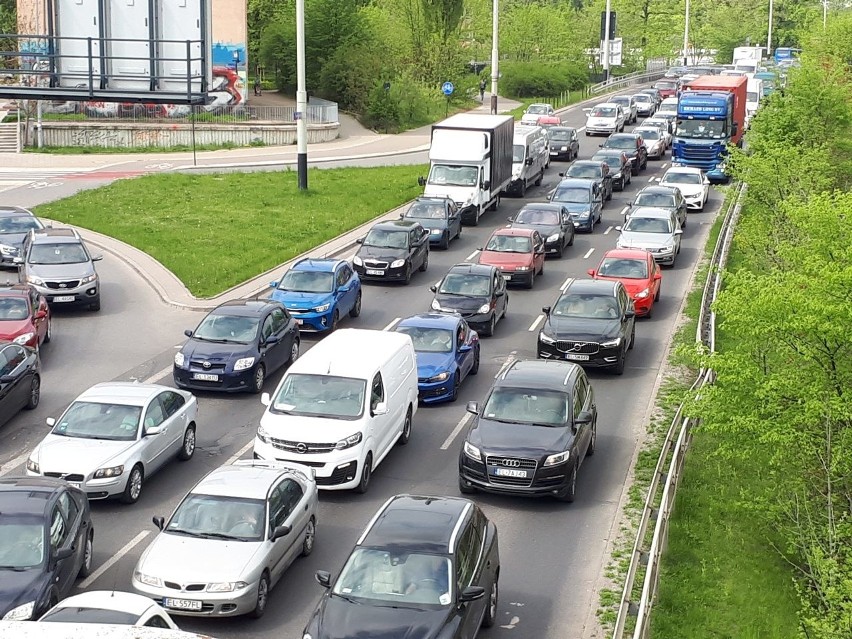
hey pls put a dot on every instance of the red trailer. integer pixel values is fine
(725, 84)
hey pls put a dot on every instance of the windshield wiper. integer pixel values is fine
(349, 599)
(14, 568)
(183, 531)
(220, 536)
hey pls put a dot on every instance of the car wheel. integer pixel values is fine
(541, 177)
(335, 320)
(294, 352)
(405, 435)
(259, 379)
(366, 473)
(571, 241)
(570, 491)
(657, 296)
(561, 251)
(133, 489)
(310, 537)
(96, 306)
(618, 369)
(48, 335)
(88, 554)
(632, 338)
(475, 368)
(683, 226)
(492, 324)
(650, 313)
(35, 393)
(425, 264)
(629, 177)
(445, 243)
(523, 190)
(490, 617)
(531, 282)
(187, 448)
(262, 597)
(407, 279)
(593, 441)
(355, 311)
(465, 488)
(456, 385)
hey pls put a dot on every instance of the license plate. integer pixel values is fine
(554, 153)
(76, 484)
(373, 271)
(182, 604)
(63, 298)
(510, 472)
(577, 358)
(299, 322)
(507, 277)
(205, 377)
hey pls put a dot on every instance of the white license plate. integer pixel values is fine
(510, 472)
(76, 484)
(182, 604)
(554, 153)
(63, 298)
(299, 322)
(207, 377)
(373, 271)
(577, 358)
(507, 277)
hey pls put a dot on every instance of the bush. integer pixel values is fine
(541, 79)
(407, 104)
(349, 76)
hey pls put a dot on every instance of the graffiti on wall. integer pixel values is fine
(230, 58)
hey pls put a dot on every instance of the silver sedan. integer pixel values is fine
(230, 540)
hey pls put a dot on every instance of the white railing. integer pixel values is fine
(675, 445)
(624, 81)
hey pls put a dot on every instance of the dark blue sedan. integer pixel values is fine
(439, 215)
(236, 346)
(318, 292)
(447, 352)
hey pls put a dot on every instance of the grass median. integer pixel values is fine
(214, 231)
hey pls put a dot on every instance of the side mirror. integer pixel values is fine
(528, 161)
(618, 228)
(472, 593)
(401, 215)
(562, 174)
(40, 315)
(7, 379)
(486, 186)
(600, 146)
(473, 408)
(17, 260)
(630, 312)
(188, 333)
(279, 532)
(159, 522)
(433, 288)
(591, 272)
(323, 578)
(539, 249)
(678, 232)
(380, 409)
(658, 276)
(585, 417)
(63, 553)
(97, 258)
(360, 240)
(273, 284)
(706, 180)
(421, 181)
(465, 348)
(511, 219)
(272, 339)
(265, 399)
(50, 421)
(154, 430)
(545, 310)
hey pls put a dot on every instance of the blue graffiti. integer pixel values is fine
(224, 55)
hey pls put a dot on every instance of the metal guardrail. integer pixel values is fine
(672, 455)
(631, 79)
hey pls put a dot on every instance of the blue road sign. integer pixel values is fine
(447, 88)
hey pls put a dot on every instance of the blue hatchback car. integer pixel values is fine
(318, 292)
(447, 352)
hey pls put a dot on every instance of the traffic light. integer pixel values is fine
(611, 25)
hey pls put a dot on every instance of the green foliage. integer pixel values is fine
(530, 79)
(8, 24)
(406, 105)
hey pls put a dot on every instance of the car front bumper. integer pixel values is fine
(94, 488)
(435, 392)
(694, 203)
(228, 382)
(381, 274)
(552, 248)
(601, 130)
(213, 604)
(84, 295)
(643, 305)
(586, 224)
(438, 238)
(313, 321)
(540, 481)
(603, 358)
(335, 470)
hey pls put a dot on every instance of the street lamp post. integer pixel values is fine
(606, 41)
(495, 73)
(769, 33)
(301, 99)
(824, 14)
(686, 35)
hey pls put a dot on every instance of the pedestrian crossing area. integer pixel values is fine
(12, 178)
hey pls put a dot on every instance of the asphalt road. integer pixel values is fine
(551, 552)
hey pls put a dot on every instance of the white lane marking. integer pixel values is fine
(392, 324)
(535, 323)
(624, 210)
(581, 129)
(566, 283)
(242, 451)
(158, 375)
(664, 165)
(509, 361)
(109, 563)
(12, 464)
(462, 423)
(588, 253)
(472, 255)
(608, 229)
(651, 179)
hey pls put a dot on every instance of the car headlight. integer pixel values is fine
(642, 294)
(357, 261)
(23, 339)
(558, 458)
(553, 238)
(544, 338)
(148, 580)
(35, 281)
(243, 363)
(484, 308)
(522, 268)
(564, 148)
(180, 360)
(397, 264)
(307, 636)
(435, 305)
(226, 586)
(5, 249)
(440, 377)
(349, 442)
(89, 278)
(611, 343)
(472, 451)
(322, 308)
(583, 215)
(436, 231)
(111, 471)
(262, 435)
(33, 466)
(21, 613)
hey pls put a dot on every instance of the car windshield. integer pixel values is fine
(219, 517)
(677, 177)
(559, 135)
(662, 200)
(65, 253)
(665, 85)
(13, 309)
(612, 161)
(587, 306)
(603, 112)
(621, 143)
(21, 542)
(429, 340)
(321, 396)
(648, 225)
(227, 329)
(518, 153)
(537, 216)
(650, 134)
(307, 282)
(571, 195)
(466, 284)
(621, 267)
(698, 129)
(96, 420)
(382, 238)
(453, 175)
(18, 224)
(427, 211)
(397, 577)
(537, 109)
(583, 171)
(642, 97)
(77, 614)
(527, 406)
(621, 101)
(509, 244)
(667, 108)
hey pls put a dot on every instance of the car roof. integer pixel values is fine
(589, 162)
(684, 169)
(129, 393)
(651, 211)
(562, 128)
(433, 198)
(245, 308)
(539, 373)
(591, 287)
(543, 206)
(116, 600)
(627, 253)
(649, 128)
(431, 320)
(27, 495)
(351, 352)
(606, 104)
(623, 136)
(54, 235)
(415, 522)
(246, 479)
(514, 231)
(15, 290)
(317, 264)
(396, 225)
(473, 269)
(577, 183)
(659, 190)
(14, 211)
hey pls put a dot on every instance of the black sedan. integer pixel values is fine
(425, 567)
(619, 166)
(537, 425)
(20, 379)
(15, 224)
(391, 251)
(439, 215)
(46, 543)
(596, 170)
(552, 221)
(477, 292)
(564, 143)
(236, 346)
(633, 146)
(592, 323)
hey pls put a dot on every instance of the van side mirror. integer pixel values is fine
(265, 399)
(380, 409)
(421, 181)
(528, 161)
(486, 186)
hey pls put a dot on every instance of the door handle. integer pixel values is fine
(306, 508)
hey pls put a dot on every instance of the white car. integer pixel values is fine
(114, 436)
(112, 607)
(692, 184)
(604, 119)
(654, 230)
(534, 111)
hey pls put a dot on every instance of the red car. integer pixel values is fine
(547, 121)
(639, 273)
(667, 87)
(517, 252)
(24, 316)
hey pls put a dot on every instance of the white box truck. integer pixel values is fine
(471, 162)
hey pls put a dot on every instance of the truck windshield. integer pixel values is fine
(453, 175)
(518, 152)
(701, 129)
(751, 96)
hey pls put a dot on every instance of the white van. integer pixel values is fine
(48, 630)
(342, 406)
(754, 94)
(530, 157)
(669, 105)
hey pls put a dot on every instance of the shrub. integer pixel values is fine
(541, 79)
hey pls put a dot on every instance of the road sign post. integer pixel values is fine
(447, 89)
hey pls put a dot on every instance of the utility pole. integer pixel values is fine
(769, 33)
(606, 40)
(824, 14)
(495, 57)
(686, 35)
(301, 99)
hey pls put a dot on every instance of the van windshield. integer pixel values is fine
(321, 396)
(518, 152)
